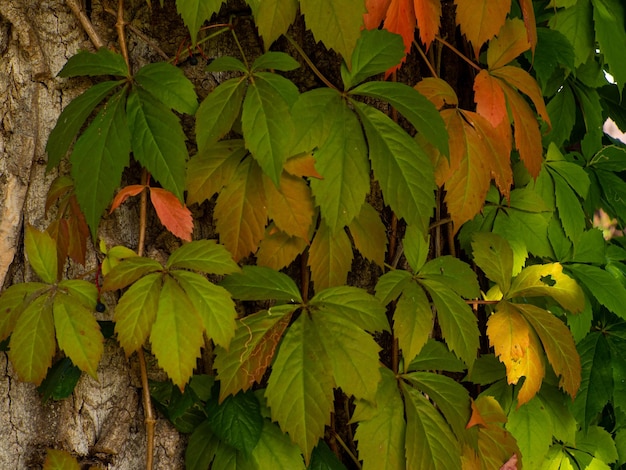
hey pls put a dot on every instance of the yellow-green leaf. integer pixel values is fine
(512, 40)
(128, 271)
(277, 249)
(41, 252)
(290, 205)
(60, 460)
(493, 254)
(548, 280)
(369, 234)
(330, 258)
(177, 333)
(412, 321)
(13, 301)
(273, 18)
(78, 333)
(206, 256)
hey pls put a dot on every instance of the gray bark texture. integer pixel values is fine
(102, 422)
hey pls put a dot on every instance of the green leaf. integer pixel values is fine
(60, 380)
(608, 19)
(590, 248)
(276, 450)
(218, 112)
(401, 167)
(314, 115)
(354, 305)
(352, 353)
(32, 342)
(342, 161)
(598, 442)
(252, 349)
(226, 64)
(213, 303)
(275, 60)
(610, 158)
(157, 140)
(14, 300)
(330, 257)
(553, 50)
(569, 208)
(128, 271)
(457, 320)
(201, 448)
(449, 396)
(78, 333)
(429, 444)
(323, 458)
(273, 18)
(391, 284)
(260, 283)
(486, 370)
(416, 247)
(268, 128)
(195, 13)
(102, 62)
(533, 440)
(494, 256)
(602, 285)
(412, 320)
(376, 51)
(177, 333)
(169, 85)
(381, 436)
(206, 256)
(237, 421)
(60, 460)
(41, 251)
(337, 23)
(597, 379)
(98, 159)
(454, 273)
(435, 356)
(136, 311)
(83, 292)
(576, 25)
(414, 106)
(300, 391)
(562, 111)
(573, 174)
(72, 119)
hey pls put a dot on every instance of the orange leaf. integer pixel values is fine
(510, 43)
(291, 207)
(476, 419)
(444, 167)
(400, 19)
(172, 213)
(302, 165)
(241, 210)
(438, 91)
(376, 11)
(498, 144)
(428, 14)
(521, 80)
(529, 20)
(527, 134)
(489, 98)
(124, 194)
(480, 20)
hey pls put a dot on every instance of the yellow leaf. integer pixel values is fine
(480, 20)
(512, 40)
(302, 165)
(369, 234)
(330, 258)
(277, 249)
(438, 91)
(241, 211)
(290, 206)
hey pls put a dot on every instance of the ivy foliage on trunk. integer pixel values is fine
(485, 204)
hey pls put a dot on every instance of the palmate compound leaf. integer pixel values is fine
(381, 430)
(518, 348)
(99, 157)
(176, 335)
(241, 210)
(494, 256)
(41, 252)
(330, 257)
(32, 343)
(78, 333)
(429, 443)
(260, 283)
(300, 390)
(558, 344)
(401, 167)
(548, 280)
(251, 350)
(213, 304)
(205, 256)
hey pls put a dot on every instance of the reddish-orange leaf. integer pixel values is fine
(527, 134)
(400, 19)
(291, 206)
(376, 11)
(78, 231)
(476, 419)
(302, 165)
(428, 14)
(522, 80)
(480, 20)
(498, 145)
(438, 91)
(489, 98)
(59, 231)
(529, 20)
(172, 213)
(124, 194)
(510, 43)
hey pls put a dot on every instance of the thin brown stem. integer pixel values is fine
(85, 23)
(310, 63)
(347, 449)
(428, 64)
(457, 52)
(119, 25)
(305, 276)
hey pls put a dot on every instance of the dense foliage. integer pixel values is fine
(486, 207)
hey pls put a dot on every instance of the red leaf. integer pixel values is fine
(124, 194)
(489, 98)
(376, 11)
(172, 213)
(400, 19)
(428, 14)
